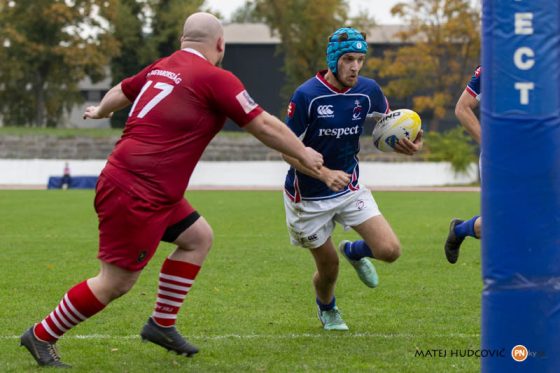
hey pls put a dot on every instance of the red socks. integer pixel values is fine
(175, 281)
(77, 305)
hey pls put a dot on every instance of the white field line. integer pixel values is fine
(273, 336)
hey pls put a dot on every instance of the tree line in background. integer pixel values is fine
(47, 47)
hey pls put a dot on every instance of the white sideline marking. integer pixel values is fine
(274, 336)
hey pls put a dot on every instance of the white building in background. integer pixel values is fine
(92, 94)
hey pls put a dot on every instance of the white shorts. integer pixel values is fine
(311, 223)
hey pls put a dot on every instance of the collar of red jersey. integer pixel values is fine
(194, 51)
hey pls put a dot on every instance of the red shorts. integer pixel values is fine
(131, 228)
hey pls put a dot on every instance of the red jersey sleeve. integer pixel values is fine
(231, 98)
(131, 86)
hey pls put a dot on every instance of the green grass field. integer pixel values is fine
(252, 308)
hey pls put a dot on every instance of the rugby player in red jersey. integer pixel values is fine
(179, 103)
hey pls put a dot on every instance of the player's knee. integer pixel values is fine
(121, 288)
(206, 239)
(395, 254)
(109, 289)
(391, 252)
(201, 241)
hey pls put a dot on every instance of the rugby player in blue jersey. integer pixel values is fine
(464, 110)
(327, 113)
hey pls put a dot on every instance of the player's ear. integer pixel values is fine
(221, 44)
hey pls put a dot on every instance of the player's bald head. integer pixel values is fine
(202, 28)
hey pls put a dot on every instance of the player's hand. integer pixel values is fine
(92, 112)
(313, 159)
(336, 180)
(405, 146)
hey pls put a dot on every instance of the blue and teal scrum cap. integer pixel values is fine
(344, 40)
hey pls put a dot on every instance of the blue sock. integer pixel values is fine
(357, 250)
(326, 307)
(466, 228)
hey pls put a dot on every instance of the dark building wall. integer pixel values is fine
(259, 67)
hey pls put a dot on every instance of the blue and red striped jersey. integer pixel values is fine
(331, 121)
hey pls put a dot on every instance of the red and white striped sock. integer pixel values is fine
(175, 280)
(77, 305)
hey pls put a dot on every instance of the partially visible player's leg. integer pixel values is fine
(324, 281)
(310, 225)
(194, 243)
(112, 282)
(361, 213)
(179, 271)
(81, 302)
(458, 231)
(478, 227)
(122, 257)
(193, 237)
(379, 238)
(468, 228)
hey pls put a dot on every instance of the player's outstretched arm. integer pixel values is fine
(275, 134)
(112, 101)
(336, 180)
(464, 110)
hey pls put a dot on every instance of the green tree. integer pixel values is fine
(363, 21)
(167, 23)
(246, 13)
(442, 47)
(454, 146)
(130, 30)
(47, 47)
(304, 28)
(146, 30)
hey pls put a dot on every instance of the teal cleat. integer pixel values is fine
(332, 320)
(364, 267)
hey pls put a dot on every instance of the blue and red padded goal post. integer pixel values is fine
(521, 185)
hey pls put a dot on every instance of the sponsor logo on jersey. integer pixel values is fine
(325, 111)
(357, 112)
(246, 101)
(167, 74)
(338, 132)
(291, 109)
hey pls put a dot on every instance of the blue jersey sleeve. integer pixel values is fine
(473, 87)
(296, 116)
(379, 103)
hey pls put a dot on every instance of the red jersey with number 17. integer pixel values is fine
(179, 104)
